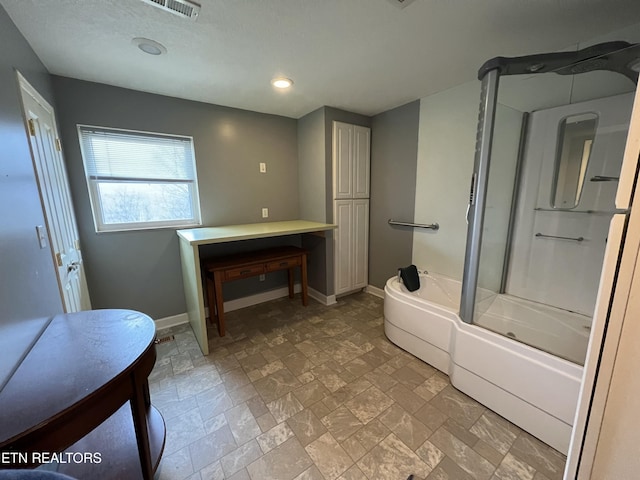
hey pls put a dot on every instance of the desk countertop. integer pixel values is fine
(230, 233)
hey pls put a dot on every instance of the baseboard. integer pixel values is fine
(173, 321)
(322, 298)
(238, 303)
(248, 301)
(378, 292)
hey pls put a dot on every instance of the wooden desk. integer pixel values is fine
(244, 265)
(192, 239)
(80, 372)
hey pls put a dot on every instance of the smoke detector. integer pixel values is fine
(182, 8)
(401, 3)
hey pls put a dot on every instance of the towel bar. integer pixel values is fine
(431, 226)
(575, 239)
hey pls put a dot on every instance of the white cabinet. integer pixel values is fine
(351, 174)
(360, 243)
(351, 160)
(342, 252)
(351, 250)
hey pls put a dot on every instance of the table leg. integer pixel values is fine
(217, 277)
(139, 413)
(290, 278)
(303, 273)
(211, 298)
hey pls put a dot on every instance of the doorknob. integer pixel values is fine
(73, 266)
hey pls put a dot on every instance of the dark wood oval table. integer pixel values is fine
(69, 396)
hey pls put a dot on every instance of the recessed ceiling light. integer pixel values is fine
(281, 82)
(149, 46)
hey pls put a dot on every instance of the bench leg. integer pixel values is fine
(303, 274)
(211, 298)
(217, 278)
(290, 278)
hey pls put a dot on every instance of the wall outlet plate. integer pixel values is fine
(265, 213)
(263, 167)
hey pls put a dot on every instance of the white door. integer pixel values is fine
(360, 243)
(343, 246)
(361, 161)
(605, 428)
(342, 160)
(56, 198)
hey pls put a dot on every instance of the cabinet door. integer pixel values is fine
(342, 160)
(343, 259)
(360, 243)
(361, 161)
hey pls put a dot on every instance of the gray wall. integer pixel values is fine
(28, 286)
(312, 167)
(394, 156)
(141, 269)
(313, 193)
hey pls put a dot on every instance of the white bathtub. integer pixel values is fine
(533, 389)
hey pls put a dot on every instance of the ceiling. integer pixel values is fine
(364, 56)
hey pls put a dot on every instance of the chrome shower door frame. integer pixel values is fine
(478, 194)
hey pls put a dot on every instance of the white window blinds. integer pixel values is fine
(112, 154)
(138, 179)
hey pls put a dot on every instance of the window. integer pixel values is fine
(139, 180)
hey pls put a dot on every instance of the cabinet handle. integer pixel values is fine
(242, 272)
(284, 264)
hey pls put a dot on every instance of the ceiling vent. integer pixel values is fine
(401, 3)
(182, 8)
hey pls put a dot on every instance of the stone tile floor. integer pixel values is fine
(320, 393)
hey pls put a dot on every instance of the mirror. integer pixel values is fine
(575, 139)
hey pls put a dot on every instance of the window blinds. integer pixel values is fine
(135, 156)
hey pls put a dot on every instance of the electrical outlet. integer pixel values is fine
(265, 213)
(261, 277)
(263, 167)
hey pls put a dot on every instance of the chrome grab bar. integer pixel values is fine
(431, 226)
(575, 239)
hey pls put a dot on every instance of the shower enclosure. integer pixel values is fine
(549, 148)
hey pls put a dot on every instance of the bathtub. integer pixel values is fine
(531, 388)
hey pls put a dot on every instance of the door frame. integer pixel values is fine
(25, 88)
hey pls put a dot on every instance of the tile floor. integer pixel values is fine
(320, 393)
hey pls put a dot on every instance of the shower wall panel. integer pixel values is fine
(564, 272)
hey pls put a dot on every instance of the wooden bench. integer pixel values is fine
(244, 265)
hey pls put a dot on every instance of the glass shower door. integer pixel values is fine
(548, 155)
(547, 207)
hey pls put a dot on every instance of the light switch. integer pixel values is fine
(263, 167)
(265, 213)
(42, 236)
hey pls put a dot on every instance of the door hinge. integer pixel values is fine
(32, 127)
(58, 145)
(77, 244)
(59, 259)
